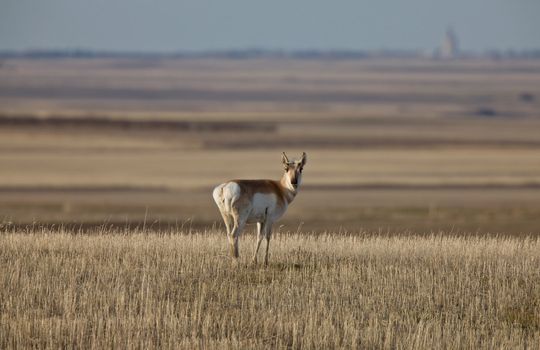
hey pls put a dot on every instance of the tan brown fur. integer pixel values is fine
(250, 187)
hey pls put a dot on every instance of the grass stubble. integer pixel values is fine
(110, 289)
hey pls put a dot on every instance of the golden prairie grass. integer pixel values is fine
(60, 289)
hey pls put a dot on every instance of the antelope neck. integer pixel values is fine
(287, 192)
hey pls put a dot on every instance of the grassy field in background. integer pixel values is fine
(419, 145)
(146, 289)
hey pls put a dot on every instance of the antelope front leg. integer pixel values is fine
(260, 236)
(268, 234)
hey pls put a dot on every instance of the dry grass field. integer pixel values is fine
(135, 289)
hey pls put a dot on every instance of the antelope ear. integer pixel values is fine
(284, 159)
(303, 160)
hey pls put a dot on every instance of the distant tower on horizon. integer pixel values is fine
(450, 45)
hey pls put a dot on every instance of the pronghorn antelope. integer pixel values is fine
(257, 201)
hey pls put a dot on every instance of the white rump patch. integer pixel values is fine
(231, 191)
(225, 194)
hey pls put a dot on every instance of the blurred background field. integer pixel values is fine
(394, 145)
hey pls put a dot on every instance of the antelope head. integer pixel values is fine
(293, 171)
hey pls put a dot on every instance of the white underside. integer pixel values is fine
(263, 207)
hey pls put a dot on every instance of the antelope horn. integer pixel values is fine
(284, 158)
(303, 160)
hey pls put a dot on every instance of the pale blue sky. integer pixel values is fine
(174, 25)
